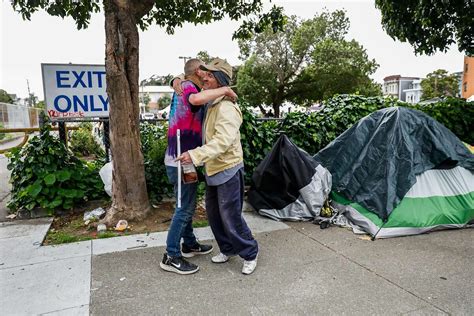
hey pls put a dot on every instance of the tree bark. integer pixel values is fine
(278, 100)
(129, 193)
(276, 109)
(262, 109)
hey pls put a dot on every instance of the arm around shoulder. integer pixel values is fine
(206, 96)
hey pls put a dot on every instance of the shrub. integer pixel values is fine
(154, 143)
(257, 138)
(45, 174)
(2, 135)
(313, 131)
(456, 114)
(83, 143)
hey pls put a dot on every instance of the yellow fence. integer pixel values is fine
(26, 134)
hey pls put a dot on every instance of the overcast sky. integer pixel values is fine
(45, 39)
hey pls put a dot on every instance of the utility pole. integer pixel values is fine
(29, 92)
(184, 58)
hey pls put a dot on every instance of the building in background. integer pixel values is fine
(468, 78)
(152, 94)
(414, 93)
(396, 85)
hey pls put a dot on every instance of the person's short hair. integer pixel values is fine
(191, 66)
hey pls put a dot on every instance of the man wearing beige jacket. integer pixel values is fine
(222, 157)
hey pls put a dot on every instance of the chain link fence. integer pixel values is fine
(13, 116)
(17, 116)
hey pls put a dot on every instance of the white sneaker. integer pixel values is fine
(249, 266)
(220, 258)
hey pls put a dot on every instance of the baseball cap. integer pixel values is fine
(218, 64)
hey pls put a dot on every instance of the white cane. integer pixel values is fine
(179, 169)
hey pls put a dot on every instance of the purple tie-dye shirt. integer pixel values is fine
(187, 118)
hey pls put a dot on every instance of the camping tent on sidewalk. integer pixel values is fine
(399, 172)
(288, 184)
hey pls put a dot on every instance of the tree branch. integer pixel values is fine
(141, 8)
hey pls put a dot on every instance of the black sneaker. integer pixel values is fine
(189, 252)
(178, 265)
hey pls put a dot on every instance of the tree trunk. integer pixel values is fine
(278, 100)
(129, 194)
(262, 109)
(276, 109)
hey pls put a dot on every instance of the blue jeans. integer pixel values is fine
(224, 212)
(181, 224)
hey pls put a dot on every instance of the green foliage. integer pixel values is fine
(2, 135)
(309, 61)
(45, 174)
(439, 84)
(202, 223)
(32, 100)
(156, 80)
(83, 143)
(204, 56)
(107, 234)
(429, 26)
(40, 105)
(340, 66)
(164, 101)
(257, 139)
(145, 100)
(4, 97)
(312, 132)
(168, 14)
(154, 143)
(454, 113)
(59, 237)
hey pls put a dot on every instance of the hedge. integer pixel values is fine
(313, 131)
(35, 172)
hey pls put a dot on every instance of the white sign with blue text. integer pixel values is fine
(75, 91)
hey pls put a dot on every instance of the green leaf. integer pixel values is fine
(34, 189)
(50, 179)
(55, 203)
(30, 206)
(63, 175)
(69, 193)
(67, 204)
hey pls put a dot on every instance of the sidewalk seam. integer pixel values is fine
(41, 262)
(5, 197)
(374, 272)
(90, 276)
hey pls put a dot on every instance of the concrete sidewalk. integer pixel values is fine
(302, 270)
(5, 187)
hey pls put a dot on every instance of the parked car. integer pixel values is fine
(147, 116)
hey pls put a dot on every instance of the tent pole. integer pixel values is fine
(375, 236)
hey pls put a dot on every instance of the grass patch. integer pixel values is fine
(77, 223)
(107, 234)
(70, 226)
(201, 223)
(58, 237)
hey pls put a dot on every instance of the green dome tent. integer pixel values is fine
(399, 172)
